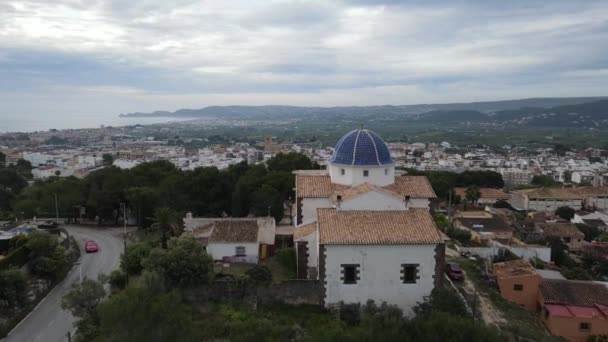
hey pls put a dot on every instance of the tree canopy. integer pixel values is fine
(238, 190)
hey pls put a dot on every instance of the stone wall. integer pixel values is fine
(293, 292)
(297, 291)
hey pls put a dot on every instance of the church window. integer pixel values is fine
(409, 273)
(365, 173)
(350, 273)
(240, 251)
(342, 172)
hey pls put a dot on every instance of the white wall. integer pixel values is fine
(353, 175)
(373, 200)
(266, 230)
(551, 204)
(309, 208)
(419, 203)
(600, 202)
(219, 250)
(380, 272)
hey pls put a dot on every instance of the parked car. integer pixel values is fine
(90, 246)
(454, 271)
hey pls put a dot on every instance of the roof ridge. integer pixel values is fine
(355, 147)
(375, 147)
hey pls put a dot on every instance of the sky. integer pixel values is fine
(104, 57)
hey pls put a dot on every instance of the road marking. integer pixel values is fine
(50, 323)
(37, 338)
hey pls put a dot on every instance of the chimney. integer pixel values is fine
(407, 202)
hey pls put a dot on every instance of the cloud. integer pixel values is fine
(146, 53)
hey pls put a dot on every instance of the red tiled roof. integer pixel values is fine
(573, 292)
(304, 230)
(367, 227)
(234, 231)
(485, 193)
(513, 268)
(319, 185)
(560, 229)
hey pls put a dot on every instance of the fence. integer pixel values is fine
(498, 249)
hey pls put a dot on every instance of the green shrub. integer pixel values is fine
(260, 275)
(118, 279)
(287, 258)
(136, 253)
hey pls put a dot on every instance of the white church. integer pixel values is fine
(365, 231)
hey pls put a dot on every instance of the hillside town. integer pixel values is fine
(370, 221)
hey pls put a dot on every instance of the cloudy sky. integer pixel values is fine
(105, 57)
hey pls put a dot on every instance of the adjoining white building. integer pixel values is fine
(234, 239)
(365, 232)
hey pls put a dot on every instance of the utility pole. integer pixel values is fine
(56, 209)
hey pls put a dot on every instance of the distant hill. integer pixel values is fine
(582, 115)
(471, 110)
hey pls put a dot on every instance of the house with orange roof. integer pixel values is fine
(518, 282)
(574, 309)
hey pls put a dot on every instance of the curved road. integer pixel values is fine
(48, 322)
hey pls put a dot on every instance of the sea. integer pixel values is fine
(32, 123)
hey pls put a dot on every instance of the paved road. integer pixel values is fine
(48, 322)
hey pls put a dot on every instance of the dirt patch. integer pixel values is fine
(484, 307)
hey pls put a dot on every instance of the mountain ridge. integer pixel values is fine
(284, 111)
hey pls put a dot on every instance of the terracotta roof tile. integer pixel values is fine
(318, 185)
(485, 193)
(234, 231)
(308, 186)
(413, 186)
(361, 189)
(513, 268)
(560, 229)
(366, 227)
(573, 292)
(552, 193)
(304, 230)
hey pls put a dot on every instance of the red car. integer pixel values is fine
(91, 246)
(454, 271)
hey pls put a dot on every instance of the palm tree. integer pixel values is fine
(164, 217)
(472, 194)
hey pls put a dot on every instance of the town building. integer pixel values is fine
(234, 240)
(518, 282)
(567, 232)
(364, 231)
(545, 199)
(574, 309)
(483, 225)
(487, 195)
(549, 199)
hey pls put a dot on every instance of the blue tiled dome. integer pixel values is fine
(361, 147)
